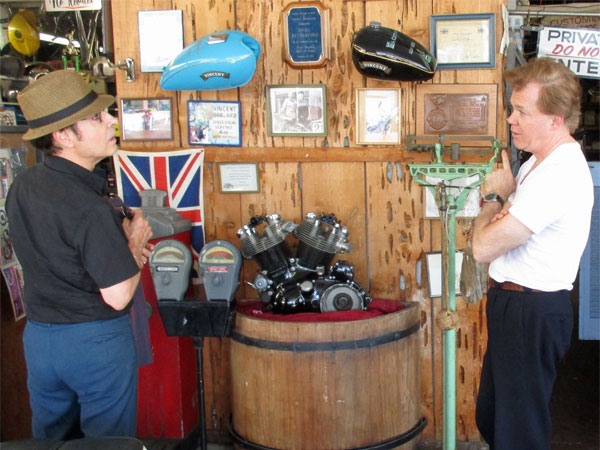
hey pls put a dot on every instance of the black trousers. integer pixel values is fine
(528, 334)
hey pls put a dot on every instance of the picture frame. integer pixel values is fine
(306, 39)
(214, 123)
(378, 113)
(457, 109)
(464, 41)
(158, 49)
(146, 119)
(296, 110)
(237, 178)
(434, 273)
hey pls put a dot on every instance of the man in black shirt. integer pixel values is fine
(81, 263)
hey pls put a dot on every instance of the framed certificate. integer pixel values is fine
(306, 34)
(464, 41)
(236, 178)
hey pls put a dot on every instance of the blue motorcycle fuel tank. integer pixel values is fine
(221, 60)
(386, 54)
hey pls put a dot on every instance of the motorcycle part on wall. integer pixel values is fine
(302, 281)
(222, 60)
(387, 54)
(23, 32)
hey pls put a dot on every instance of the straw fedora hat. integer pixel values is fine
(58, 100)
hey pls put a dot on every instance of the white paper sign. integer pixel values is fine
(577, 48)
(72, 5)
(161, 38)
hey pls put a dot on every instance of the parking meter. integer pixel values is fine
(220, 263)
(170, 265)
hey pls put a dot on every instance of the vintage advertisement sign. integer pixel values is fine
(72, 5)
(578, 48)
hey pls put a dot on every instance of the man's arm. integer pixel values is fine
(493, 238)
(119, 295)
(138, 231)
(497, 231)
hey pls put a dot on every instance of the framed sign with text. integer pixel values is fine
(464, 41)
(306, 34)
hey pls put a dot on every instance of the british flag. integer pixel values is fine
(178, 173)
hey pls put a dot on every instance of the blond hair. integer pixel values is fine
(560, 91)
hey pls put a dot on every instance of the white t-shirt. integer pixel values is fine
(555, 202)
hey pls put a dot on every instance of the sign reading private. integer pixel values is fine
(72, 5)
(577, 48)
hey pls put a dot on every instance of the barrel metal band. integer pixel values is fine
(325, 346)
(388, 444)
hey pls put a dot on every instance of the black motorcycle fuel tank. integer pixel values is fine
(387, 54)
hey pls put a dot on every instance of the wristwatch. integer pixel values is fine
(492, 197)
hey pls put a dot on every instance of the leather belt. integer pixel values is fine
(509, 286)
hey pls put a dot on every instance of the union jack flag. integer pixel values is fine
(178, 173)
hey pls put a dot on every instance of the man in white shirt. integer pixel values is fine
(533, 230)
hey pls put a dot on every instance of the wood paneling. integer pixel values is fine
(367, 187)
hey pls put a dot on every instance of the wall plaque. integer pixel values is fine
(457, 109)
(306, 34)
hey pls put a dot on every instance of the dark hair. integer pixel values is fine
(46, 143)
(560, 91)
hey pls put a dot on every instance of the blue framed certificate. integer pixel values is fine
(306, 34)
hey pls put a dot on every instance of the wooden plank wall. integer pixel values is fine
(368, 188)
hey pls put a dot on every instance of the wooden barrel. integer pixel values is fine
(327, 385)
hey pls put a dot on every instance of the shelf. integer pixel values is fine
(13, 129)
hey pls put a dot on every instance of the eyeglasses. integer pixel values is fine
(96, 117)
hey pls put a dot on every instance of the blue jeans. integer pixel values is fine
(81, 375)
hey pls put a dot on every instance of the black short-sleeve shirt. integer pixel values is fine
(69, 242)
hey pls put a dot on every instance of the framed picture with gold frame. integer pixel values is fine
(378, 116)
(457, 109)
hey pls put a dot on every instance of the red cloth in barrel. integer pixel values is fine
(377, 307)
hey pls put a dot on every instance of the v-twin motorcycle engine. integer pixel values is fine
(303, 282)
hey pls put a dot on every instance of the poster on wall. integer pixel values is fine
(12, 162)
(577, 48)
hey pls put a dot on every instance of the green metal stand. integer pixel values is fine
(449, 204)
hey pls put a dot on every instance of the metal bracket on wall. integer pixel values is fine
(129, 67)
(449, 144)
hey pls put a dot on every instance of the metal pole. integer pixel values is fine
(198, 342)
(449, 338)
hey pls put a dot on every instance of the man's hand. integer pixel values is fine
(138, 232)
(501, 181)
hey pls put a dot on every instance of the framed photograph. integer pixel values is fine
(457, 109)
(464, 41)
(236, 178)
(434, 273)
(214, 123)
(377, 116)
(146, 119)
(296, 110)
(158, 49)
(306, 34)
